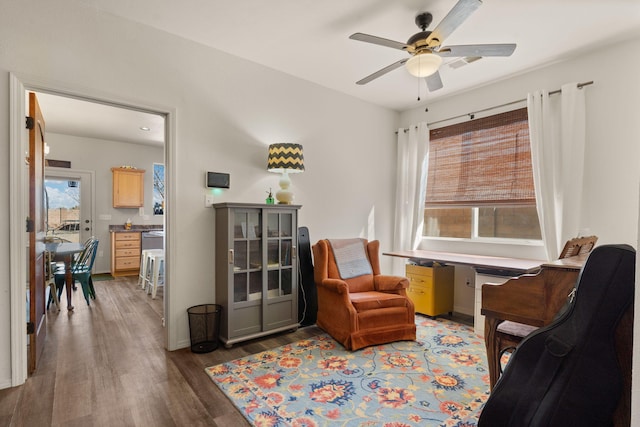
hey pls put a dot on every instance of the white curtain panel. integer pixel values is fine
(557, 132)
(411, 184)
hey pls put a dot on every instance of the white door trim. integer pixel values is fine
(17, 230)
(19, 84)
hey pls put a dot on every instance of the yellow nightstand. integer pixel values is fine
(431, 289)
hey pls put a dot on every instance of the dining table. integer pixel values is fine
(64, 252)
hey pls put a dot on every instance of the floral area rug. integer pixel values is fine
(441, 379)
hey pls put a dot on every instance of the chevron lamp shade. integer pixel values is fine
(285, 158)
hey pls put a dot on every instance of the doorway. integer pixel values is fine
(68, 204)
(18, 193)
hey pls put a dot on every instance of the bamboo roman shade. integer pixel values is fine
(482, 162)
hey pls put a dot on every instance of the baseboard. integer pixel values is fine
(463, 310)
(183, 344)
(6, 383)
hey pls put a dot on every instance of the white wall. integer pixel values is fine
(100, 156)
(227, 111)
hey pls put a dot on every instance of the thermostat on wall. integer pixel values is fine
(217, 180)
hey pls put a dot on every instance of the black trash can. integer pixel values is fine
(204, 327)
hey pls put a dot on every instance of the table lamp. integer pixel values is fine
(285, 159)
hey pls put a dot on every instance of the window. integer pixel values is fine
(62, 208)
(158, 189)
(480, 180)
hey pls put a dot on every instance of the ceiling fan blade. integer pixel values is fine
(505, 49)
(434, 82)
(378, 40)
(456, 16)
(382, 72)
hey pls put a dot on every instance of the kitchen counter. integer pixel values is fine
(134, 228)
(126, 246)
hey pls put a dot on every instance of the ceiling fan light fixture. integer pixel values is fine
(423, 64)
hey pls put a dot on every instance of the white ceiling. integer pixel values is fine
(70, 116)
(309, 39)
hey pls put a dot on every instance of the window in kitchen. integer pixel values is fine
(480, 180)
(158, 189)
(62, 208)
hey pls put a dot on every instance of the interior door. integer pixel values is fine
(36, 326)
(69, 191)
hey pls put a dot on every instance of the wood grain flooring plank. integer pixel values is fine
(105, 365)
(9, 398)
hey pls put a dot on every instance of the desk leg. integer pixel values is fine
(490, 326)
(68, 282)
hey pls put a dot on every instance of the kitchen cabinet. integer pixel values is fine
(128, 187)
(256, 269)
(431, 288)
(125, 253)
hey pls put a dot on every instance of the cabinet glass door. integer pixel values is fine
(280, 253)
(247, 260)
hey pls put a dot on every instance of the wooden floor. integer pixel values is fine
(105, 365)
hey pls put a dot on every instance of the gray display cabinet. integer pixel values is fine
(256, 269)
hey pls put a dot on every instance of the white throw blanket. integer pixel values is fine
(350, 257)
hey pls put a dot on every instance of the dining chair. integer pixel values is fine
(81, 270)
(49, 269)
(60, 265)
(86, 244)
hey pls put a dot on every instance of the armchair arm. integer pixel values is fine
(390, 283)
(336, 314)
(335, 285)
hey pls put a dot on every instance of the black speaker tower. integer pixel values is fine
(307, 295)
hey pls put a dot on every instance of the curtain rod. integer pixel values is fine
(472, 114)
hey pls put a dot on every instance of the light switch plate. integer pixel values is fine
(209, 200)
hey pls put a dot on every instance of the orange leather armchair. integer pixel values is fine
(365, 310)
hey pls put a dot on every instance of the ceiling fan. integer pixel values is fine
(425, 47)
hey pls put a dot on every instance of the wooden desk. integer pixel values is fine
(517, 265)
(532, 299)
(492, 265)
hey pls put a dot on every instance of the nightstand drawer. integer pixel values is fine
(422, 300)
(423, 281)
(431, 288)
(418, 270)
